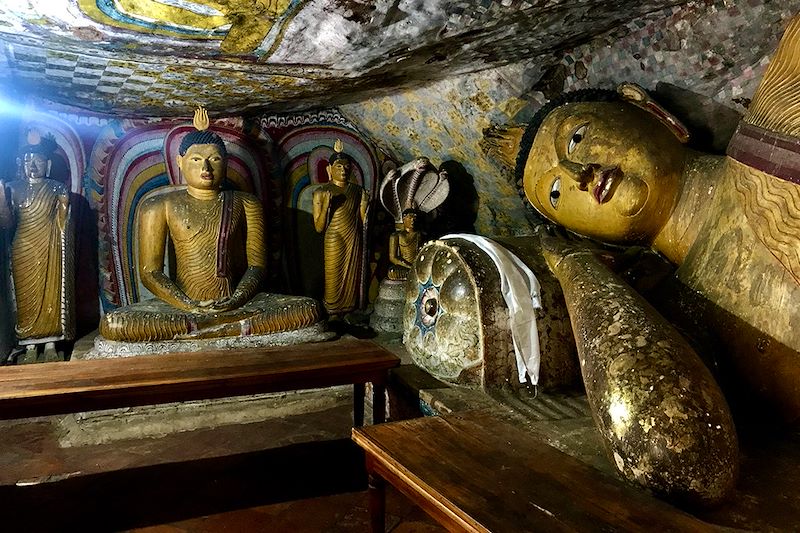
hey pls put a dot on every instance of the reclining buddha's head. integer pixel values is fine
(601, 167)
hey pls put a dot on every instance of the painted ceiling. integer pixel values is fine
(151, 58)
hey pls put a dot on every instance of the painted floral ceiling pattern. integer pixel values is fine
(162, 57)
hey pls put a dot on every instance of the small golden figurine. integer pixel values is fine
(403, 246)
(340, 213)
(37, 211)
(408, 192)
(220, 258)
(413, 189)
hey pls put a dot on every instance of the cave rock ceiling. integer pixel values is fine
(162, 57)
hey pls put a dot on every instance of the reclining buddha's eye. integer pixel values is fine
(555, 192)
(577, 137)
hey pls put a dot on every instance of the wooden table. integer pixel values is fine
(475, 473)
(74, 386)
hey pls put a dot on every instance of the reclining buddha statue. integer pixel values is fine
(614, 166)
(220, 259)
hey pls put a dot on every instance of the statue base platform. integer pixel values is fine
(155, 421)
(106, 349)
(388, 313)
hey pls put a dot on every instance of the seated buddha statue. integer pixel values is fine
(220, 259)
(414, 189)
(403, 246)
(614, 166)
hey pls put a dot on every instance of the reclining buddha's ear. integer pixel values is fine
(503, 142)
(634, 94)
(179, 161)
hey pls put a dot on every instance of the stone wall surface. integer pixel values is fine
(716, 49)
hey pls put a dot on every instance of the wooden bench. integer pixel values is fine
(74, 386)
(475, 473)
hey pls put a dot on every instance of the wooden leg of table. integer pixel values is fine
(358, 404)
(377, 504)
(378, 403)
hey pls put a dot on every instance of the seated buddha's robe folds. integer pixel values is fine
(154, 320)
(217, 243)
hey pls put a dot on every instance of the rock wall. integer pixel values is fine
(715, 50)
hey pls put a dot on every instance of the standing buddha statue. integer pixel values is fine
(37, 212)
(340, 213)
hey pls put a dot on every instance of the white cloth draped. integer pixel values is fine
(520, 290)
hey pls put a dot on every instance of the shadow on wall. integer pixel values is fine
(8, 156)
(6, 316)
(711, 124)
(305, 263)
(87, 288)
(460, 211)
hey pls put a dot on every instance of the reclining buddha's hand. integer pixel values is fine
(557, 244)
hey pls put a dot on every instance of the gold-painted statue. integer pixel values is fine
(618, 173)
(37, 211)
(614, 167)
(406, 193)
(220, 258)
(403, 246)
(340, 213)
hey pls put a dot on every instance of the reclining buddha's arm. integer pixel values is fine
(663, 419)
(153, 233)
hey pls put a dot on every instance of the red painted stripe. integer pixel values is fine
(773, 153)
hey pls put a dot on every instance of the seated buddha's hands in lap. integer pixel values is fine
(220, 305)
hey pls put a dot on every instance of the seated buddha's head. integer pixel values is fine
(601, 167)
(202, 156)
(409, 220)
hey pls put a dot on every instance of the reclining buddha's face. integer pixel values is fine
(607, 170)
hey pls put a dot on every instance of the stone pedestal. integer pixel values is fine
(106, 349)
(388, 314)
(155, 421)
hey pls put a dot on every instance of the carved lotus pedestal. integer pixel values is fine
(388, 313)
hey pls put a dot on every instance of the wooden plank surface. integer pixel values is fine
(475, 473)
(56, 388)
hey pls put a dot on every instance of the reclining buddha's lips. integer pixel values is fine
(207, 176)
(609, 177)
